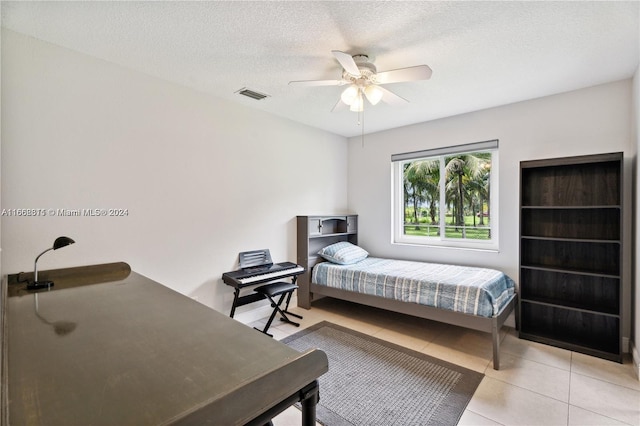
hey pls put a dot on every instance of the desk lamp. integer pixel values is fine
(37, 285)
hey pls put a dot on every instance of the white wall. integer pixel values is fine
(635, 335)
(202, 179)
(589, 121)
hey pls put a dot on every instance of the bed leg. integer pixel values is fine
(304, 295)
(304, 302)
(495, 336)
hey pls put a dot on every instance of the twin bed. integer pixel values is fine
(471, 297)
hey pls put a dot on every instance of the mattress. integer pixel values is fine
(470, 290)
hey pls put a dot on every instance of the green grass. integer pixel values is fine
(425, 229)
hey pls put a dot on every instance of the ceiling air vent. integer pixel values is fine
(252, 94)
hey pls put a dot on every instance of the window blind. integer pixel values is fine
(457, 149)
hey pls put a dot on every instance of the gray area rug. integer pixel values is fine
(373, 382)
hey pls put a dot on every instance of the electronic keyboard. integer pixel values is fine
(258, 275)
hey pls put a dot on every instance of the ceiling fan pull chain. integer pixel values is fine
(362, 128)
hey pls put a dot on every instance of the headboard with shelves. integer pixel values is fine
(314, 233)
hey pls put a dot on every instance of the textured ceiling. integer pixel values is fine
(483, 54)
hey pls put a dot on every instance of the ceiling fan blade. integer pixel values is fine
(317, 83)
(391, 98)
(347, 62)
(419, 72)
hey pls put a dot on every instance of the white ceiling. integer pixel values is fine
(483, 54)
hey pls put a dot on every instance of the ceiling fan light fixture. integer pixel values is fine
(373, 94)
(364, 81)
(350, 94)
(358, 104)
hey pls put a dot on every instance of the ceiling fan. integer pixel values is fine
(364, 81)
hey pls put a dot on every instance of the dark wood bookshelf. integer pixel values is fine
(571, 253)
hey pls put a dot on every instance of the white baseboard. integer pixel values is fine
(252, 315)
(636, 360)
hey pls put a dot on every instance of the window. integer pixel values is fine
(447, 196)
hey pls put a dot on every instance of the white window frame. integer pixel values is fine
(397, 197)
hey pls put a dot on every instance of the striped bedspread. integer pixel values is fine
(470, 290)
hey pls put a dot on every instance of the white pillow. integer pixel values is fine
(343, 253)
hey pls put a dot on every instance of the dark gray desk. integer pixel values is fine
(129, 351)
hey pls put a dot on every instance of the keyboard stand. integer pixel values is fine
(284, 290)
(241, 279)
(243, 300)
(255, 297)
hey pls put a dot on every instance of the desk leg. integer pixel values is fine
(311, 395)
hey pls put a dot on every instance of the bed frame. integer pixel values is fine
(315, 232)
(487, 324)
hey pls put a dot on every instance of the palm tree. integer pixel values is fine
(480, 187)
(462, 173)
(424, 177)
(466, 184)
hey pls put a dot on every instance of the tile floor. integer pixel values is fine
(536, 385)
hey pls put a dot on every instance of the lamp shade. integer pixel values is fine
(62, 242)
(358, 104)
(373, 94)
(38, 285)
(350, 94)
